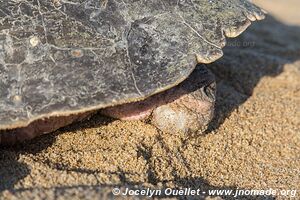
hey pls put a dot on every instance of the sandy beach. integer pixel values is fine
(252, 143)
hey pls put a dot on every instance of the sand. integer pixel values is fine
(253, 142)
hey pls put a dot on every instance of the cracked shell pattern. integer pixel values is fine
(62, 57)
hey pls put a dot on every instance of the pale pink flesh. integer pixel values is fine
(39, 127)
(187, 108)
(172, 111)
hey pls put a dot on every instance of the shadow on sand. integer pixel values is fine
(261, 51)
(246, 61)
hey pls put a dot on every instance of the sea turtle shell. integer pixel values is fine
(61, 57)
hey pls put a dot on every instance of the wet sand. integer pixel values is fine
(253, 142)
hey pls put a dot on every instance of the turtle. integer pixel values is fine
(61, 61)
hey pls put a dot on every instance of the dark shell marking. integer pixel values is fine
(60, 57)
